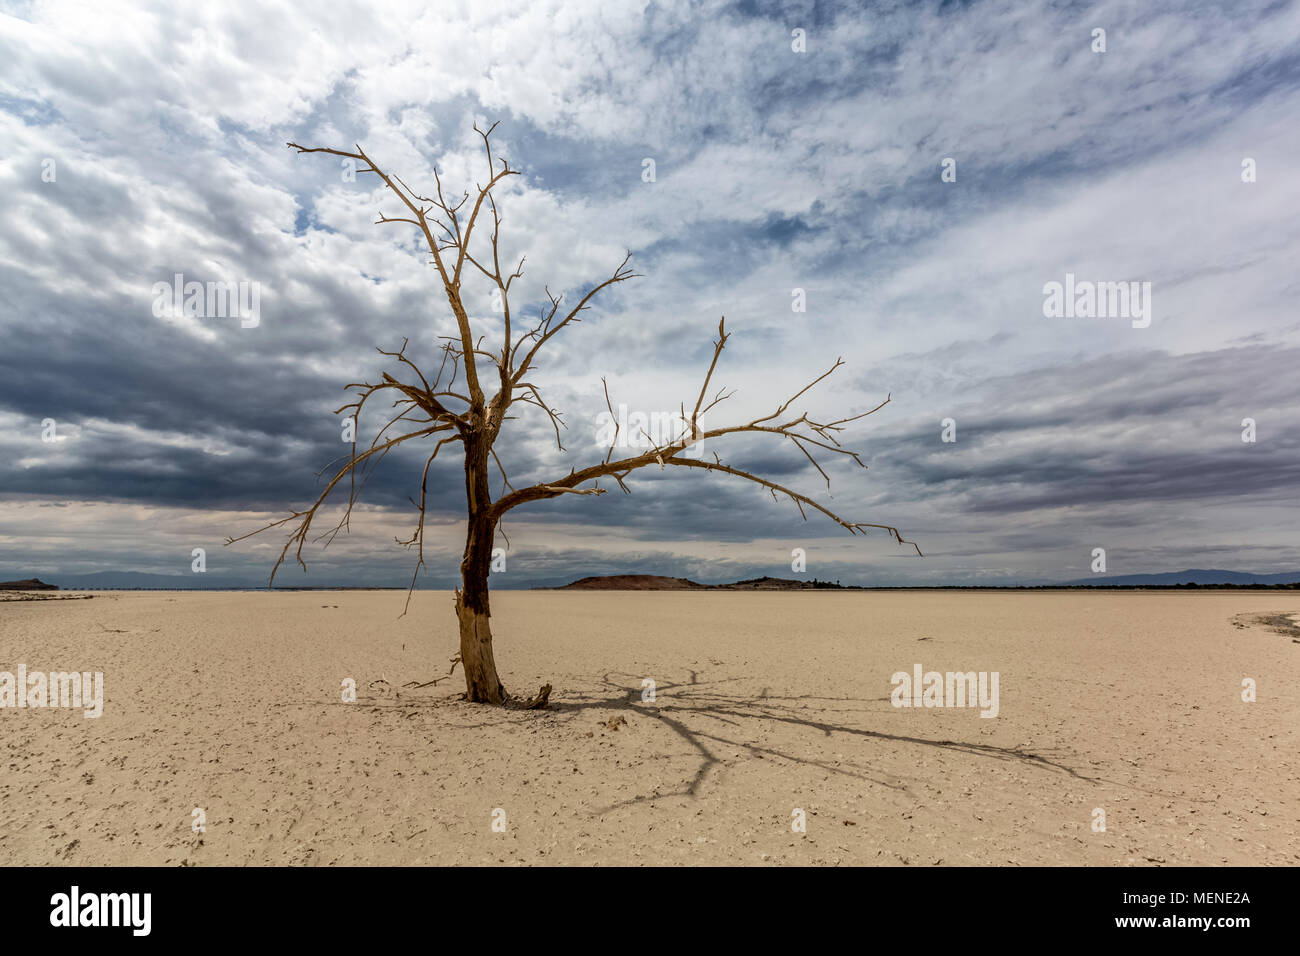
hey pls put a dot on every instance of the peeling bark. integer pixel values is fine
(482, 684)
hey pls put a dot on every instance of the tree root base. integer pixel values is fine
(540, 702)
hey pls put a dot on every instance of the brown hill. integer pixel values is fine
(28, 584)
(634, 582)
(657, 582)
(785, 584)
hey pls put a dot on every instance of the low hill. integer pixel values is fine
(29, 584)
(656, 582)
(634, 582)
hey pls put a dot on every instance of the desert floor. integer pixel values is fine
(764, 704)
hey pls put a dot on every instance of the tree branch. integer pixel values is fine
(814, 433)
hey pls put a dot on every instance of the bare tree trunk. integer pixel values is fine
(472, 611)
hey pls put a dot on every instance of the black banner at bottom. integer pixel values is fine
(328, 905)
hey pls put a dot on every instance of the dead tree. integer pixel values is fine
(443, 414)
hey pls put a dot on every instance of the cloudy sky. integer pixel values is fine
(146, 140)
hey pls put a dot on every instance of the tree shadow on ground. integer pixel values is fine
(709, 717)
(687, 709)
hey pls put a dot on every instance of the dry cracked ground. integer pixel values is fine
(764, 704)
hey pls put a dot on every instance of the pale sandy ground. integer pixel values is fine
(765, 702)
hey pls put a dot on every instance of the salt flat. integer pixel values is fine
(765, 703)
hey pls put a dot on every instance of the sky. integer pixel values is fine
(915, 176)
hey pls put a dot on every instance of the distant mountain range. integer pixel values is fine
(1191, 576)
(655, 582)
(130, 580)
(1199, 577)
